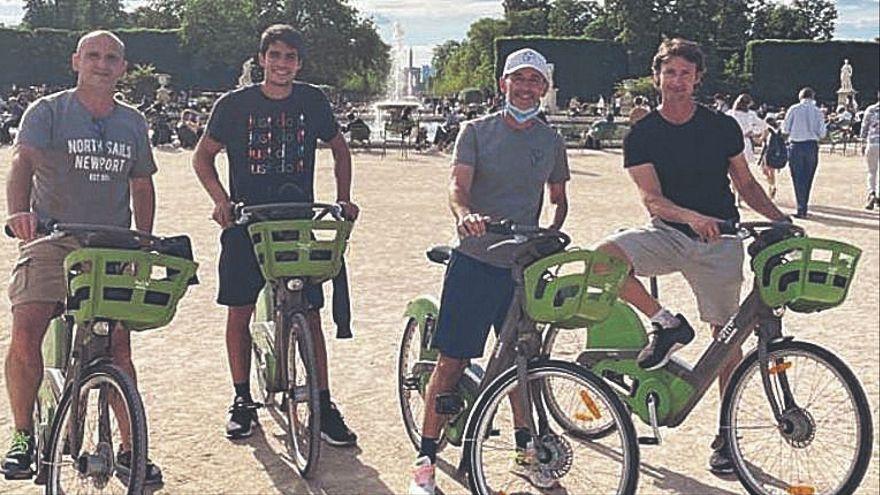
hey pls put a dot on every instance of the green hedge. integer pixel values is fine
(583, 67)
(43, 56)
(780, 68)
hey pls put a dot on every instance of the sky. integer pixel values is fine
(427, 23)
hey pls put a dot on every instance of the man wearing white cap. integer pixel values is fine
(500, 167)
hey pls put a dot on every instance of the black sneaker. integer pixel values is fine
(242, 417)
(720, 462)
(19, 460)
(333, 429)
(123, 469)
(872, 201)
(665, 341)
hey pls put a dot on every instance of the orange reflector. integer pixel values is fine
(779, 368)
(583, 417)
(588, 401)
(801, 489)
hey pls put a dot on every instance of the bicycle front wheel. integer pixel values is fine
(83, 443)
(567, 345)
(557, 460)
(822, 444)
(302, 403)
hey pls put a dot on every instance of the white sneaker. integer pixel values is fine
(423, 478)
(525, 465)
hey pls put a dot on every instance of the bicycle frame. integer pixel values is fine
(753, 316)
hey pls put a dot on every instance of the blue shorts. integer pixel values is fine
(239, 272)
(475, 296)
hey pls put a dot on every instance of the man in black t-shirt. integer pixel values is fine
(270, 132)
(682, 158)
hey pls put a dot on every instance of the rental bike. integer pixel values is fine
(87, 407)
(794, 415)
(480, 412)
(296, 244)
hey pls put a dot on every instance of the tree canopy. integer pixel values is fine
(723, 27)
(350, 55)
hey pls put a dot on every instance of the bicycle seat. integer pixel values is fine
(439, 254)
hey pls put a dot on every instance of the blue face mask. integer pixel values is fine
(519, 115)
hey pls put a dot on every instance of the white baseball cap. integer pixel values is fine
(526, 57)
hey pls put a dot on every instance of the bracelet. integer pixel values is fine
(16, 215)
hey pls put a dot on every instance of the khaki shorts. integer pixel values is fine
(714, 270)
(38, 275)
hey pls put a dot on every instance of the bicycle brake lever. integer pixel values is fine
(517, 239)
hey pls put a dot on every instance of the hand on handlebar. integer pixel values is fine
(349, 210)
(708, 228)
(223, 214)
(23, 225)
(472, 224)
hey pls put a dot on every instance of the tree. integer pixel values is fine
(349, 52)
(526, 22)
(803, 19)
(77, 15)
(522, 5)
(158, 14)
(571, 17)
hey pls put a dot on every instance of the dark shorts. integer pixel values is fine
(475, 296)
(240, 278)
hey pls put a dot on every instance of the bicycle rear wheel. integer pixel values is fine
(412, 377)
(823, 443)
(83, 444)
(302, 404)
(608, 465)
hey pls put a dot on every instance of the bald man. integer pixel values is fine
(79, 157)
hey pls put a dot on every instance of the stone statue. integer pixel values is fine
(846, 76)
(246, 73)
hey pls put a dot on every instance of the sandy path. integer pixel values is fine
(184, 377)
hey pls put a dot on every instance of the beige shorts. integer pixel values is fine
(38, 275)
(714, 270)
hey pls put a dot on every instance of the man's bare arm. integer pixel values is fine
(341, 167)
(19, 182)
(750, 190)
(206, 171)
(143, 200)
(645, 177)
(468, 222)
(559, 199)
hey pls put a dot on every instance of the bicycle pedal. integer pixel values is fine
(448, 403)
(649, 441)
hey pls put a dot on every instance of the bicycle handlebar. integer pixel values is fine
(507, 227)
(50, 229)
(243, 214)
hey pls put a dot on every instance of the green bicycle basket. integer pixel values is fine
(300, 248)
(569, 290)
(138, 288)
(805, 274)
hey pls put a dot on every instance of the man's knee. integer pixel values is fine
(612, 249)
(448, 371)
(30, 321)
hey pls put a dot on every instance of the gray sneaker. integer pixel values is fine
(665, 341)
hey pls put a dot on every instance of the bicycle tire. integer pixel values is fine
(483, 424)
(93, 377)
(303, 434)
(412, 422)
(576, 428)
(734, 394)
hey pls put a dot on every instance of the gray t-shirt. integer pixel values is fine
(511, 167)
(88, 161)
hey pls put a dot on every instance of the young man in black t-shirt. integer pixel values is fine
(683, 157)
(270, 132)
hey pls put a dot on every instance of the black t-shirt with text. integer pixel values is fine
(270, 143)
(691, 160)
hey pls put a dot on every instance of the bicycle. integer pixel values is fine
(477, 416)
(86, 405)
(297, 244)
(782, 385)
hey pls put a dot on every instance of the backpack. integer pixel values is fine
(775, 152)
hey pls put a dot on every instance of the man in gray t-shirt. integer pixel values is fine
(502, 165)
(79, 157)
